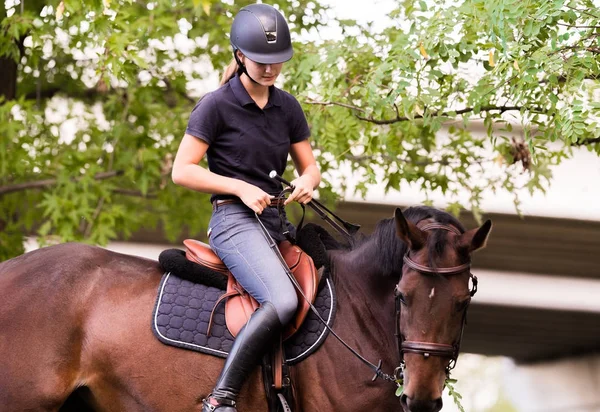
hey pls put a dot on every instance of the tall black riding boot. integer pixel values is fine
(249, 346)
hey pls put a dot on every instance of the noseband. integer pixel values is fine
(428, 349)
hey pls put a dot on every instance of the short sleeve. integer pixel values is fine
(204, 119)
(299, 129)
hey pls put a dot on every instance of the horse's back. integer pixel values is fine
(53, 299)
(65, 277)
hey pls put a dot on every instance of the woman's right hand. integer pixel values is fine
(254, 197)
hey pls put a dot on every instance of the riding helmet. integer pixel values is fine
(261, 33)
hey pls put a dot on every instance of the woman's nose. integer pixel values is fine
(267, 68)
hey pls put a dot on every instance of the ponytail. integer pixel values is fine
(230, 72)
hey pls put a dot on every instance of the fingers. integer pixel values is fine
(306, 198)
(300, 194)
(255, 198)
(260, 204)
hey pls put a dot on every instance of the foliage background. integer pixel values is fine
(96, 95)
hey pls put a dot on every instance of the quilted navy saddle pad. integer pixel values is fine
(182, 313)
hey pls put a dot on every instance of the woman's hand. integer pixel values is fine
(254, 197)
(303, 190)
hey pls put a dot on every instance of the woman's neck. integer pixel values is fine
(258, 93)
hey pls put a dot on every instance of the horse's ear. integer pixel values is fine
(408, 232)
(475, 239)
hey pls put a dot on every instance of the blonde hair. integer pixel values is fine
(229, 72)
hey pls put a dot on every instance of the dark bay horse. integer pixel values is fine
(75, 327)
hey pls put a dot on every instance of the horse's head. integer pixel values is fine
(433, 296)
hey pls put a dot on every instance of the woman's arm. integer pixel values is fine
(309, 175)
(188, 173)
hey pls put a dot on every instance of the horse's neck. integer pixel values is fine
(365, 321)
(363, 260)
(365, 299)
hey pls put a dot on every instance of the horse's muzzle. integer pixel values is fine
(417, 405)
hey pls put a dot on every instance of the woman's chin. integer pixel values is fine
(267, 81)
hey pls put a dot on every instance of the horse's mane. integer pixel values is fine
(389, 249)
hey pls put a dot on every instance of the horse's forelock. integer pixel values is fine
(438, 241)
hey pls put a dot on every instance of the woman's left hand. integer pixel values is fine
(303, 190)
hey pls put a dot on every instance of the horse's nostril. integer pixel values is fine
(403, 402)
(413, 405)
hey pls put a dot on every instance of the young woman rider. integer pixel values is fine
(247, 128)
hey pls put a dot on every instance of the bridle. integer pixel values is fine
(428, 349)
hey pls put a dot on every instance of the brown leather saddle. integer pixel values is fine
(239, 305)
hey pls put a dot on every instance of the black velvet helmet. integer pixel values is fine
(261, 33)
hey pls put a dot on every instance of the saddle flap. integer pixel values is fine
(291, 254)
(303, 268)
(238, 308)
(240, 305)
(201, 253)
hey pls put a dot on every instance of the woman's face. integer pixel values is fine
(263, 74)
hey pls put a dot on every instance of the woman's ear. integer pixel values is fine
(240, 56)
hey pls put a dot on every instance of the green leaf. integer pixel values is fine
(399, 390)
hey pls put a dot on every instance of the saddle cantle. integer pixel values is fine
(239, 304)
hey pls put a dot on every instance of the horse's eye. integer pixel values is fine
(399, 295)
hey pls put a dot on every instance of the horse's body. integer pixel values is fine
(75, 335)
(78, 316)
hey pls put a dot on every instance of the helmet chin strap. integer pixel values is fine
(242, 68)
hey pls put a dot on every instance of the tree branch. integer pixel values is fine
(347, 106)
(40, 184)
(135, 193)
(444, 160)
(399, 118)
(94, 92)
(50, 92)
(587, 141)
(172, 89)
(369, 158)
(582, 11)
(578, 46)
(562, 79)
(90, 224)
(578, 27)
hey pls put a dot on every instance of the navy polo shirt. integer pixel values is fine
(246, 142)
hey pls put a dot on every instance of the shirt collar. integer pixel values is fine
(275, 96)
(239, 91)
(242, 96)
